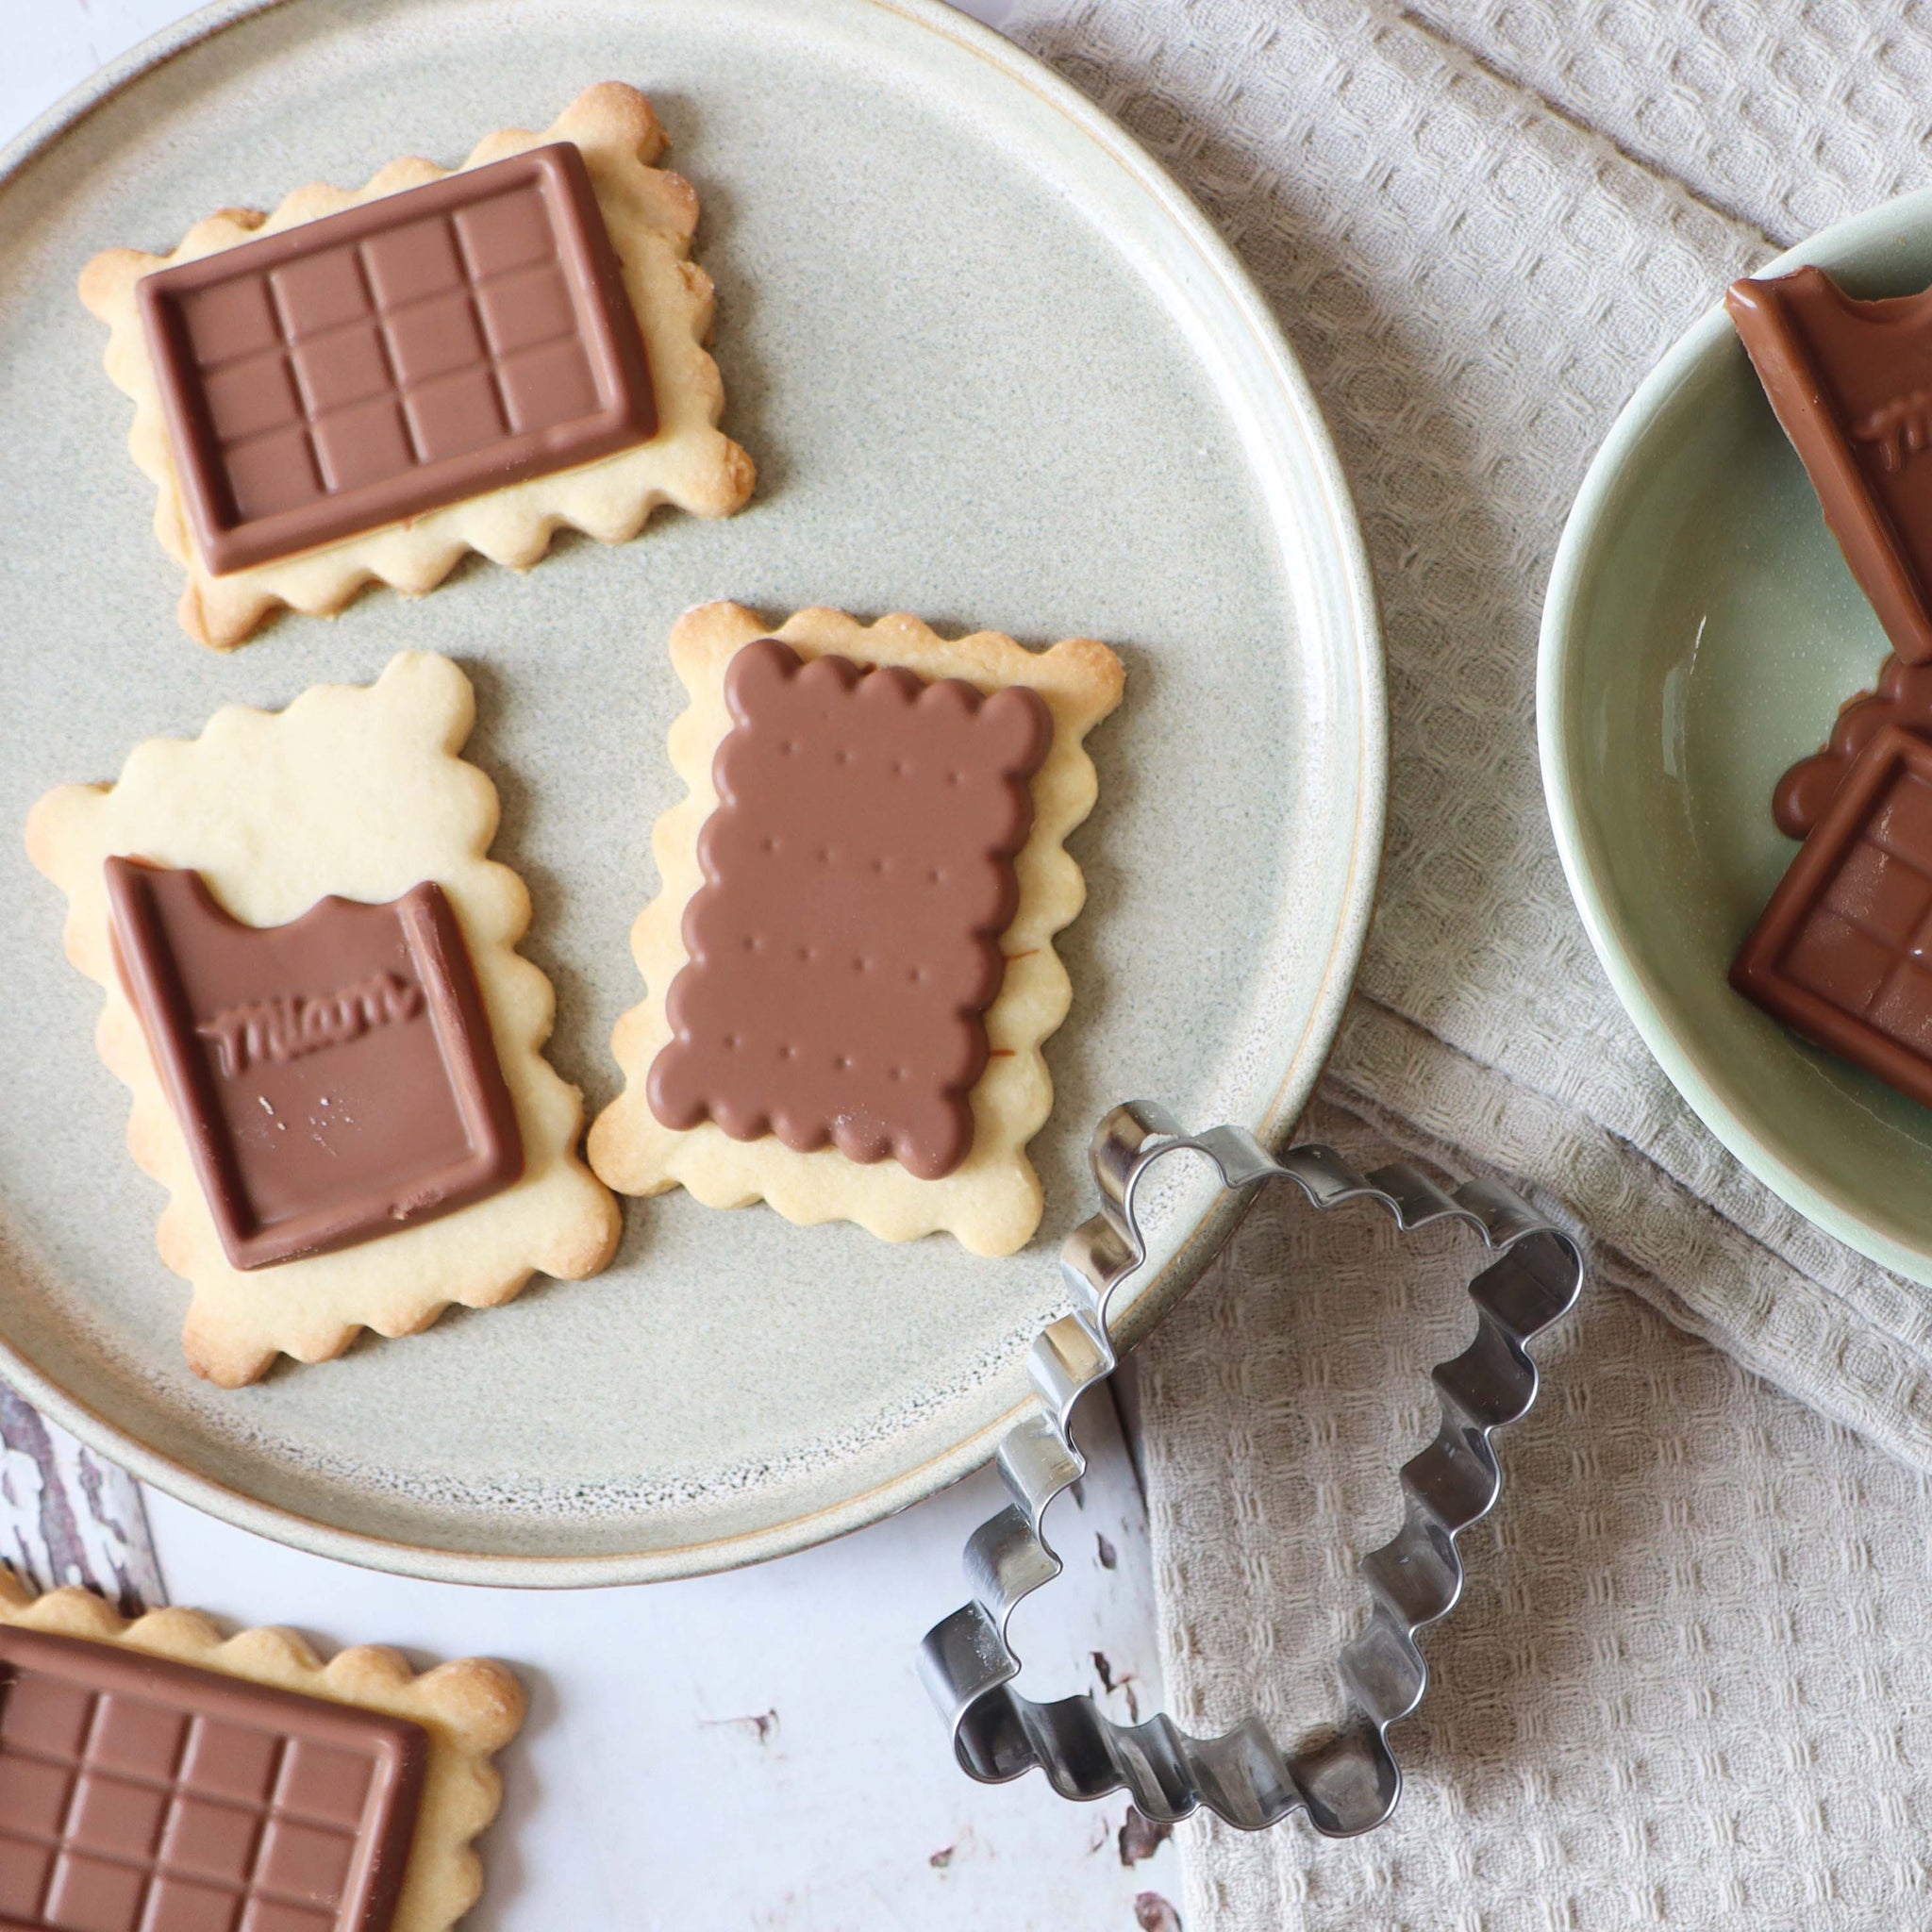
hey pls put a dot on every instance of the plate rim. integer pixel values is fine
(1193, 1248)
(1564, 788)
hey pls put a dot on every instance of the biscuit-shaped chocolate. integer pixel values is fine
(1903, 697)
(990, 1200)
(368, 383)
(1842, 953)
(155, 1778)
(335, 1076)
(859, 874)
(1851, 382)
(356, 793)
(409, 352)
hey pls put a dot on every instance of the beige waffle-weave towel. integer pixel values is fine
(1480, 222)
(1688, 1684)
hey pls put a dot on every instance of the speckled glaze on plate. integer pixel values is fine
(1701, 631)
(995, 370)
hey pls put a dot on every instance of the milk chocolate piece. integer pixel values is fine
(1903, 697)
(1852, 383)
(142, 1795)
(1842, 953)
(335, 1077)
(859, 870)
(409, 352)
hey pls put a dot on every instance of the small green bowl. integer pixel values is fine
(1700, 632)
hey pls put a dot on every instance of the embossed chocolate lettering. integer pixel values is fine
(1900, 428)
(404, 1116)
(1851, 381)
(283, 1030)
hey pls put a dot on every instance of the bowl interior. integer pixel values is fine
(1701, 634)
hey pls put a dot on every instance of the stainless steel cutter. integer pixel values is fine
(1345, 1777)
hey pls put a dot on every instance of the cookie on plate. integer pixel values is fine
(364, 385)
(157, 1777)
(849, 967)
(313, 990)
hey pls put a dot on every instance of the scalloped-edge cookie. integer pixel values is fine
(651, 214)
(470, 1709)
(358, 792)
(992, 1200)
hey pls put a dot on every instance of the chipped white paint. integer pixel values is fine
(68, 1517)
(754, 1750)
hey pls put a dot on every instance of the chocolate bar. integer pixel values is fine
(142, 1795)
(859, 870)
(1903, 697)
(411, 351)
(1851, 382)
(335, 1076)
(1842, 953)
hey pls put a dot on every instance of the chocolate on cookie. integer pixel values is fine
(157, 1777)
(365, 385)
(850, 967)
(313, 992)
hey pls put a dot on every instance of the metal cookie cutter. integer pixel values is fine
(1345, 1778)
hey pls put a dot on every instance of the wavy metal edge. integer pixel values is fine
(1345, 1778)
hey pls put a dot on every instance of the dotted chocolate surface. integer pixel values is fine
(414, 350)
(140, 1795)
(858, 872)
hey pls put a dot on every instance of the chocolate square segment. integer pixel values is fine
(108, 1863)
(335, 1077)
(859, 874)
(1838, 953)
(289, 367)
(1851, 382)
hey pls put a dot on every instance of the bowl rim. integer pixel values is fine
(1675, 1048)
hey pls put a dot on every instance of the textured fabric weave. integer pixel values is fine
(1688, 1686)
(1476, 281)
(1687, 1683)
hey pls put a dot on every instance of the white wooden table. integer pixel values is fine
(750, 1750)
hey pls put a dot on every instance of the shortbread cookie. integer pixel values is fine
(156, 1777)
(347, 1102)
(848, 984)
(320, 418)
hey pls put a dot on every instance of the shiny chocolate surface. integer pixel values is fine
(335, 1076)
(860, 871)
(1851, 382)
(142, 1795)
(414, 350)
(1903, 697)
(1842, 953)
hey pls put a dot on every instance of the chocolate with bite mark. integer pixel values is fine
(1842, 953)
(137, 1795)
(860, 871)
(335, 1077)
(409, 352)
(1851, 382)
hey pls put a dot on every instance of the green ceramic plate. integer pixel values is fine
(1700, 633)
